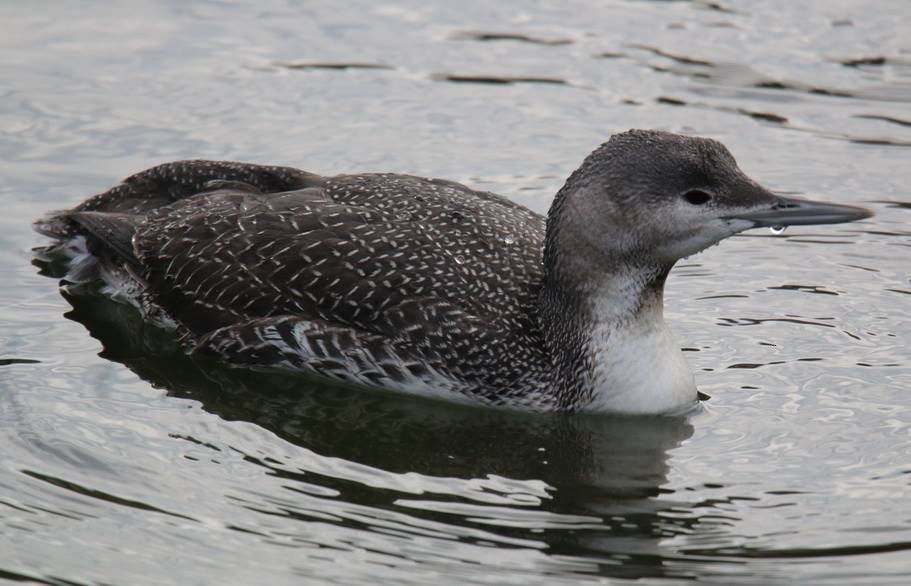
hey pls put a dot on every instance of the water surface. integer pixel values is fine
(125, 463)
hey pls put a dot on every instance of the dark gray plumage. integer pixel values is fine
(424, 285)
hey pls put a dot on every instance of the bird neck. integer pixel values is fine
(604, 329)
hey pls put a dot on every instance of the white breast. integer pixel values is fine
(638, 367)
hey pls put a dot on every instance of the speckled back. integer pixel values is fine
(370, 275)
(345, 251)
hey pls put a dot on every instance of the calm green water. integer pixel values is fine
(124, 463)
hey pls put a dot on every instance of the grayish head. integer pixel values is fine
(649, 198)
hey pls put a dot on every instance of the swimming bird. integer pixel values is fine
(427, 286)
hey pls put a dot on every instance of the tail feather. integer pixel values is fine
(56, 224)
(114, 232)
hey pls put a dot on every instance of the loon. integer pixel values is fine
(426, 286)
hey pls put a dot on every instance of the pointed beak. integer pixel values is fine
(786, 211)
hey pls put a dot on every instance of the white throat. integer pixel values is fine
(637, 364)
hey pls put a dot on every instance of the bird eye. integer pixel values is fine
(697, 197)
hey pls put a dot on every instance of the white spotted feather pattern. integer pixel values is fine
(396, 281)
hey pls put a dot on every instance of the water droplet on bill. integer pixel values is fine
(776, 230)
